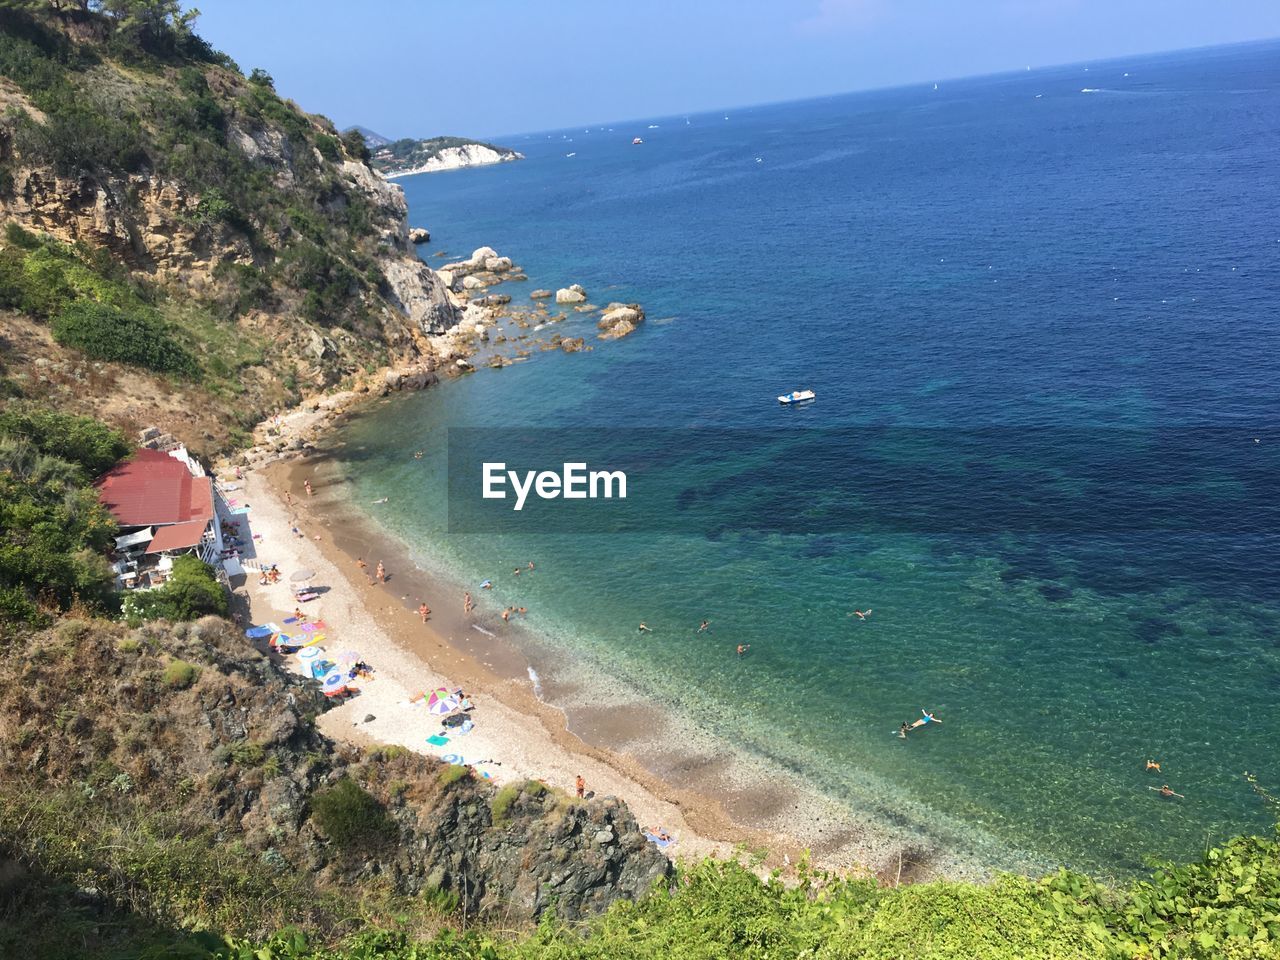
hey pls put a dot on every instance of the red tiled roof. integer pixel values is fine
(155, 489)
(178, 536)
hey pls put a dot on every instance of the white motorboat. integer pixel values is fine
(797, 396)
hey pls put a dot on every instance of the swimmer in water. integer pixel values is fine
(703, 626)
(926, 719)
(1152, 765)
(1167, 791)
(904, 730)
(861, 614)
(644, 628)
(743, 648)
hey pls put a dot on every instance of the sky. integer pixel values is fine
(482, 68)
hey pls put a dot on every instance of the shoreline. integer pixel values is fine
(711, 802)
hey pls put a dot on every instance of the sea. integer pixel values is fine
(1041, 315)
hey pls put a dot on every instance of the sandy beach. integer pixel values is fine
(712, 802)
(517, 736)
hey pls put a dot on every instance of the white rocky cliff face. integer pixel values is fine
(454, 158)
(414, 287)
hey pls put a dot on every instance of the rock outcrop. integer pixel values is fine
(419, 235)
(230, 749)
(620, 320)
(571, 294)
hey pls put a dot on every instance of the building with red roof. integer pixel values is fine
(164, 504)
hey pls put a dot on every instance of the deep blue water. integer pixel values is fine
(1002, 255)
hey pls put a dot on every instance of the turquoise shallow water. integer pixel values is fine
(1004, 253)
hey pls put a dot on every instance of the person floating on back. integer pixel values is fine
(927, 718)
(1167, 791)
(1152, 765)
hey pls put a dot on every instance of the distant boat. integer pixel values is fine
(796, 396)
(636, 141)
(935, 86)
(574, 154)
(653, 126)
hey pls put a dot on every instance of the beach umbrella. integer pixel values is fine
(333, 683)
(301, 576)
(307, 654)
(442, 701)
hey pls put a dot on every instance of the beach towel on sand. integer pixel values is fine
(436, 740)
(662, 844)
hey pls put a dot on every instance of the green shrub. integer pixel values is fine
(504, 800)
(350, 816)
(454, 772)
(178, 674)
(246, 753)
(329, 147)
(105, 332)
(192, 592)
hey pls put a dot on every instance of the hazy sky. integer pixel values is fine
(488, 67)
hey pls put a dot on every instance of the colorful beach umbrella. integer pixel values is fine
(307, 654)
(333, 683)
(442, 701)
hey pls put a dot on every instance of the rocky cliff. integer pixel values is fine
(188, 732)
(405, 157)
(244, 221)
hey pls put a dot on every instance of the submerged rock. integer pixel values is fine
(541, 294)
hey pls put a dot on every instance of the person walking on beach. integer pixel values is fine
(288, 498)
(307, 484)
(424, 611)
(580, 785)
(467, 603)
(381, 573)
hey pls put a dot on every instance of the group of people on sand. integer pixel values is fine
(379, 573)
